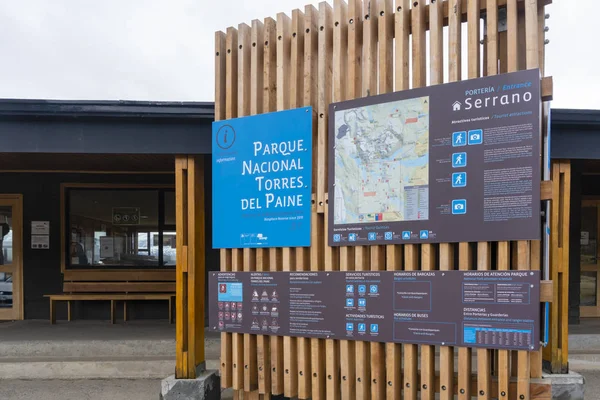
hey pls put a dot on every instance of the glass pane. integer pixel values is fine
(170, 208)
(6, 285)
(589, 235)
(588, 295)
(6, 235)
(169, 248)
(112, 227)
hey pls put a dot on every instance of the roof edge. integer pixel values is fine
(567, 116)
(105, 108)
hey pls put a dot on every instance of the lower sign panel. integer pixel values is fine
(487, 309)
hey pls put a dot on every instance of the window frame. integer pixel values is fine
(65, 228)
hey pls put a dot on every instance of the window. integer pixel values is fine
(120, 228)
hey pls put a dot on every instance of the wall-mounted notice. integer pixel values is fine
(40, 227)
(40, 235)
(488, 309)
(262, 180)
(126, 215)
(449, 163)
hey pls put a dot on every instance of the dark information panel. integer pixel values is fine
(458, 162)
(488, 309)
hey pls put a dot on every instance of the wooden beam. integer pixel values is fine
(547, 88)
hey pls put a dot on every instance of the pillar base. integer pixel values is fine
(205, 387)
(566, 387)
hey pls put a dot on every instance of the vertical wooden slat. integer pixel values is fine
(446, 250)
(325, 65)
(436, 35)
(377, 349)
(473, 17)
(419, 79)
(523, 365)
(454, 40)
(390, 25)
(249, 258)
(411, 351)
(492, 37)
(274, 377)
(353, 83)
(362, 253)
(311, 65)
(284, 42)
(324, 93)
(363, 365)
(503, 264)
(419, 54)
(227, 340)
(427, 352)
(302, 254)
(484, 383)
(382, 17)
(465, 262)
(237, 339)
(335, 358)
(311, 49)
(473, 14)
(512, 35)
(262, 356)
(491, 68)
(393, 351)
(446, 353)
(386, 45)
(402, 34)
(531, 34)
(369, 65)
(276, 342)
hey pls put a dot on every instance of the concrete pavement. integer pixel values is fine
(113, 389)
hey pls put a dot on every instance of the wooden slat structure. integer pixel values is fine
(355, 49)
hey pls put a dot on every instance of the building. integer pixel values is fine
(87, 202)
(576, 143)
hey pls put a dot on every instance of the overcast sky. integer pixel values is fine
(163, 49)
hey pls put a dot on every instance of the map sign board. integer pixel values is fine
(486, 309)
(450, 163)
(262, 180)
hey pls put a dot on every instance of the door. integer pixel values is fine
(11, 257)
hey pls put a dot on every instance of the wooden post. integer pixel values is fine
(190, 278)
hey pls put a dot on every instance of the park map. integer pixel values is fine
(382, 162)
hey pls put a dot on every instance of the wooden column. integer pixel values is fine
(190, 280)
(556, 352)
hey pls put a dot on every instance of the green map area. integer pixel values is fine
(382, 162)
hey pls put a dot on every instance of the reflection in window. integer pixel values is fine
(589, 235)
(588, 287)
(6, 233)
(119, 228)
(6, 290)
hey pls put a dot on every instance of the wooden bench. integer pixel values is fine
(112, 297)
(115, 286)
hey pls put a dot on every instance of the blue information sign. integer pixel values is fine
(262, 180)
